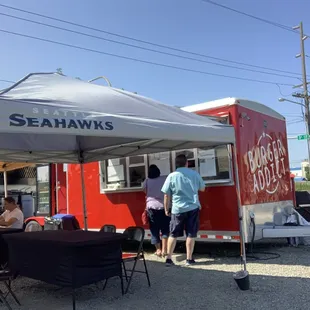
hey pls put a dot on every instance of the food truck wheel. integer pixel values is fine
(33, 226)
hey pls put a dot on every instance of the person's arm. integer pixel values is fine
(167, 198)
(202, 186)
(144, 186)
(10, 222)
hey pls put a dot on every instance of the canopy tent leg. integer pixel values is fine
(5, 183)
(241, 231)
(57, 187)
(84, 196)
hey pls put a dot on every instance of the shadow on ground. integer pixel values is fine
(174, 288)
(271, 252)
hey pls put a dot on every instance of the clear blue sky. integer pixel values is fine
(186, 24)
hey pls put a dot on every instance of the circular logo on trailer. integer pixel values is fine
(266, 164)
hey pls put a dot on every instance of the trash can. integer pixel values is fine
(242, 279)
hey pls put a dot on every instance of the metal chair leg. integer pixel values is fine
(146, 271)
(122, 284)
(131, 275)
(105, 284)
(73, 299)
(125, 271)
(8, 286)
(5, 301)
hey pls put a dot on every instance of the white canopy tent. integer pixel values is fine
(50, 116)
(47, 117)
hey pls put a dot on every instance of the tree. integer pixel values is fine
(59, 71)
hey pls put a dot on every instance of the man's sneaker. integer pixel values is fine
(190, 262)
(169, 262)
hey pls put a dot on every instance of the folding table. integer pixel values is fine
(66, 258)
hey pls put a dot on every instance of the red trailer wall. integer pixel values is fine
(62, 189)
(219, 209)
(263, 158)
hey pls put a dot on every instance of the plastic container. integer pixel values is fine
(242, 279)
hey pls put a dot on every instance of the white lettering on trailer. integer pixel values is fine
(266, 164)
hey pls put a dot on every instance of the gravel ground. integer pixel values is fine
(282, 283)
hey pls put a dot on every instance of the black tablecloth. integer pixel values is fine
(4, 251)
(66, 258)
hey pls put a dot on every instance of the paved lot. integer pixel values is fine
(282, 283)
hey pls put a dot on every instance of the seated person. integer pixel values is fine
(12, 217)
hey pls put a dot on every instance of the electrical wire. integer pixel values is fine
(280, 91)
(284, 27)
(252, 254)
(144, 48)
(292, 114)
(143, 41)
(7, 81)
(293, 123)
(140, 60)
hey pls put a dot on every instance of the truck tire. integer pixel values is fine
(33, 226)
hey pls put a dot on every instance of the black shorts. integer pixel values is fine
(159, 223)
(188, 221)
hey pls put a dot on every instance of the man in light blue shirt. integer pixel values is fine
(182, 187)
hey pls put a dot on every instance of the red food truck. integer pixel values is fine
(114, 194)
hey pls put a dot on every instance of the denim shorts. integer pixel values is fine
(159, 223)
(188, 221)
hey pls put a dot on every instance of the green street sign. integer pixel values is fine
(303, 137)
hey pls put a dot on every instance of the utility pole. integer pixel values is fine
(304, 95)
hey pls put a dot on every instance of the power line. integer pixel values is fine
(143, 41)
(292, 123)
(143, 48)
(140, 60)
(293, 116)
(7, 81)
(284, 27)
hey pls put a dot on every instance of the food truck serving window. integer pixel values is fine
(122, 174)
(129, 173)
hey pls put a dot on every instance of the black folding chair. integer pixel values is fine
(108, 228)
(111, 229)
(6, 277)
(135, 238)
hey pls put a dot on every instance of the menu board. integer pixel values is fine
(207, 163)
(116, 173)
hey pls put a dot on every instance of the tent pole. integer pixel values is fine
(241, 227)
(84, 196)
(5, 183)
(56, 188)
